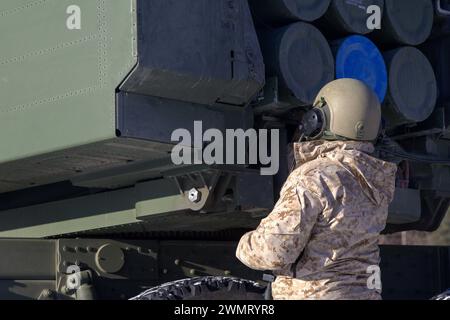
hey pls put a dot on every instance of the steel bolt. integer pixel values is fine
(194, 195)
(68, 249)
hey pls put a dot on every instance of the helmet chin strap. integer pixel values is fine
(302, 138)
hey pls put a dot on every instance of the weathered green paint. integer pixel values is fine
(19, 259)
(103, 210)
(30, 269)
(57, 86)
(173, 203)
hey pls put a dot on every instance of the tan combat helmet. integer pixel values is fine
(351, 110)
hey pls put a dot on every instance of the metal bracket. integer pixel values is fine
(79, 285)
(197, 187)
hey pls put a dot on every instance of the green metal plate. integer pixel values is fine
(57, 85)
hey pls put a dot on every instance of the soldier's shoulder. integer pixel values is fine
(319, 167)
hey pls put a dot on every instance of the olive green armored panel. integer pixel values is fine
(57, 85)
(60, 63)
(75, 81)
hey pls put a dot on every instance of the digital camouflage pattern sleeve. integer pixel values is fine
(281, 237)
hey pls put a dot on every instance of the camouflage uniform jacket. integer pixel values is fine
(323, 233)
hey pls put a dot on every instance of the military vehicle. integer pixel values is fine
(92, 205)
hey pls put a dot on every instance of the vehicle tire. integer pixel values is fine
(443, 296)
(205, 288)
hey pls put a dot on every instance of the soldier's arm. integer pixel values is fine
(282, 236)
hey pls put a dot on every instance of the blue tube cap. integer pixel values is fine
(359, 58)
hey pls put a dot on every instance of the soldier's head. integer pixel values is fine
(345, 109)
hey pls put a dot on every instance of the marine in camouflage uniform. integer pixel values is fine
(323, 233)
(331, 212)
